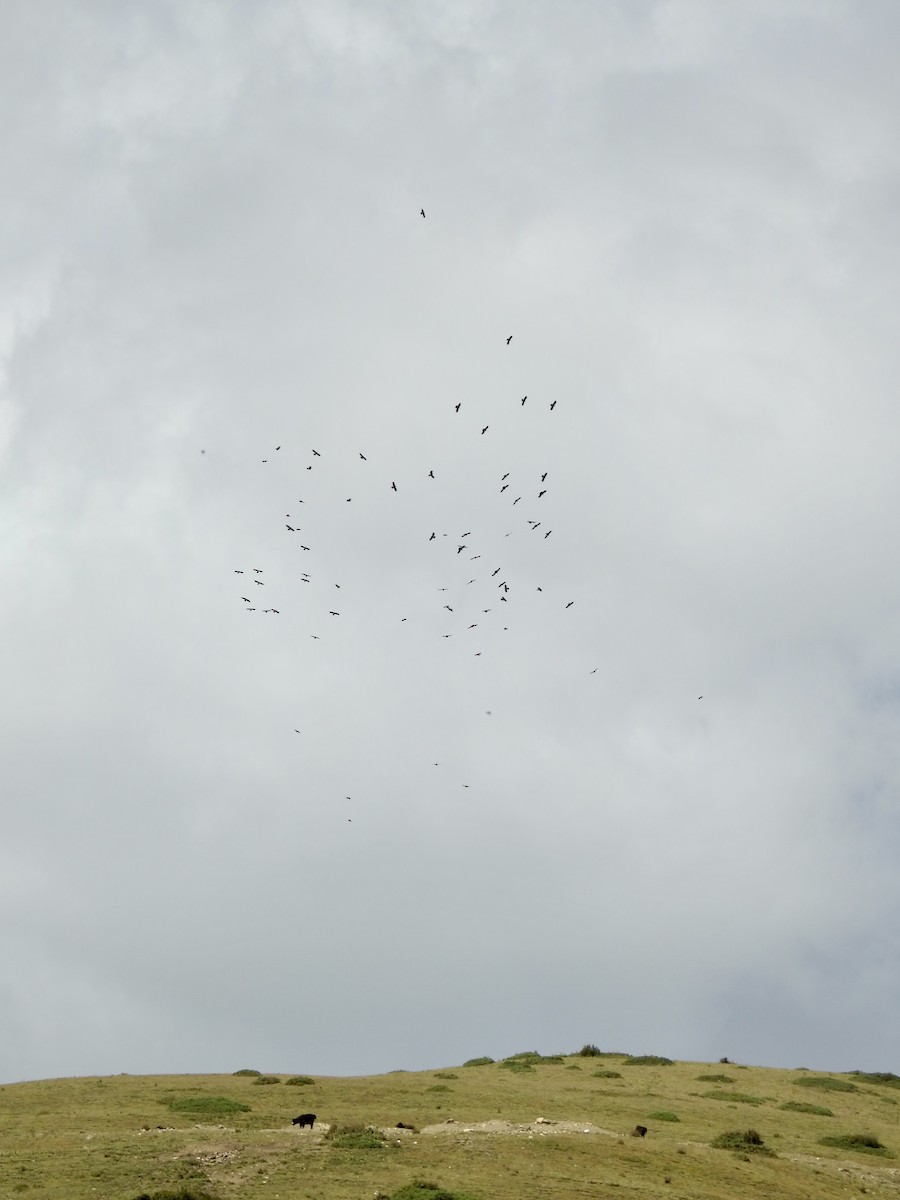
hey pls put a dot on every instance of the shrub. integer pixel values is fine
(445, 1075)
(266, 1079)
(439, 1087)
(825, 1083)
(209, 1105)
(745, 1141)
(866, 1143)
(478, 1062)
(352, 1135)
(606, 1074)
(662, 1116)
(181, 1194)
(715, 1078)
(517, 1065)
(590, 1051)
(420, 1190)
(647, 1060)
(247, 1071)
(734, 1097)
(799, 1106)
(886, 1077)
(573, 1067)
(299, 1081)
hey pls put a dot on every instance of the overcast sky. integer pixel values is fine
(531, 833)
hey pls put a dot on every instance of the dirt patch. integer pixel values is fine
(540, 1127)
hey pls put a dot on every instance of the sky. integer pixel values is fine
(635, 370)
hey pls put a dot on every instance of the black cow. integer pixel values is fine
(639, 1131)
(304, 1119)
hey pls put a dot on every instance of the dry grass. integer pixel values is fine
(127, 1136)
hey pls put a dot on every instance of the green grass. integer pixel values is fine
(663, 1115)
(478, 1062)
(247, 1071)
(427, 1191)
(267, 1079)
(743, 1141)
(606, 1074)
(715, 1079)
(886, 1077)
(299, 1081)
(647, 1060)
(865, 1143)
(815, 1110)
(196, 1136)
(826, 1083)
(734, 1097)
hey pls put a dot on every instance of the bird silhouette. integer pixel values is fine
(493, 573)
(290, 527)
(524, 398)
(422, 211)
(448, 608)
(459, 406)
(394, 486)
(431, 474)
(304, 547)
(259, 583)
(547, 534)
(552, 406)
(332, 613)
(317, 454)
(503, 489)
(569, 605)
(517, 499)
(544, 476)
(509, 339)
(363, 457)
(543, 493)
(484, 431)
(258, 570)
(245, 598)
(431, 539)
(277, 447)
(459, 549)
(475, 626)
(506, 476)
(238, 572)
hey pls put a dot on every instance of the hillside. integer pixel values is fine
(476, 1133)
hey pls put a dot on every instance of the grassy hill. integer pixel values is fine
(475, 1134)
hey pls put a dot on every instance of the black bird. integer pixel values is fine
(448, 608)
(245, 598)
(304, 547)
(258, 570)
(431, 474)
(249, 610)
(238, 572)
(349, 498)
(569, 605)
(503, 598)
(552, 406)
(459, 549)
(296, 731)
(509, 339)
(446, 635)
(332, 613)
(506, 476)
(547, 534)
(543, 493)
(314, 636)
(467, 534)
(309, 468)
(484, 610)
(317, 454)
(524, 398)
(422, 210)
(290, 527)
(459, 406)
(493, 573)
(534, 526)
(363, 457)
(503, 489)
(517, 499)
(475, 626)
(431, 539)
(595, 670)
(265, 460)
(394, 486)
(484, 431)
(337, 585)
(277, 447)
(259, 583)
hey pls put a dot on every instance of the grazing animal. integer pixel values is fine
(304, 1119)
(639, 1131)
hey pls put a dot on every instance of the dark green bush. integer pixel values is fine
(517, 1065)
(299, 1081)
(886, 1077)
(590, 1051)
(420, 1190)
(715, 1078)
(209, 1105)
(799, 1106)
(647, 1060)
(266, 1079)
(826, 1083)
(247, 1071)
(445, 1075)
(606, 1074)
(662, 1116)
(745, 1141)
(439, 1087)
(478, 1062)
(866, 1143)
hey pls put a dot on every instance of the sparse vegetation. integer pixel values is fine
(299, 1081)
(886, 1077)
(518, 1065)
(647, 1060)
(815, 1110)
(590, 1051)
(826, 1083)
(478, 1062)
(715, 1078)
(180, 1194)
(439, 1087)
(267, 1079)
(606, 1074)
(663, 1115)
(247, 1071)
(866, 1143)
(742, 1141)
(419, 1190)
(445, 1075)
(352, 1135)
(210, 1106)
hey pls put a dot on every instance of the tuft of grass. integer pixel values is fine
(215, 1106)
(266, 1079)
(439, 1087)
(647, 1060)
(299, 1081)
(478, 1062)
(866, 1143)
(826, 1083)
(606, 1074)
(662, 1116)
(799, 1106)
(734, 1097)
(419, 1189)
(518, 1065)
(744, 1141)
(715, 1078)
(445, 1075)
(247, 1071)
(353, 1135)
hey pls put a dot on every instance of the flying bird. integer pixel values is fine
(431, 539)
(238, 572)
(245, 598)
(304, 547)
(493, 573)
(543, 493)
(448, 608)
(547, 534)
(258, 570)
(290, 527)
(475, 626)
(363, 457)
(431, 474)
(506, 476)
(422, 211)
(517, 499)
(459, 406)
(569, 605)
(484, 431)
(503, 489)
(544, 476)
(459, 549)
(317, 454)
(509, 339)
(552, 406)
(393, 485)
(332, 613)
(524, 398)
(277, 447)
(259, 583)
